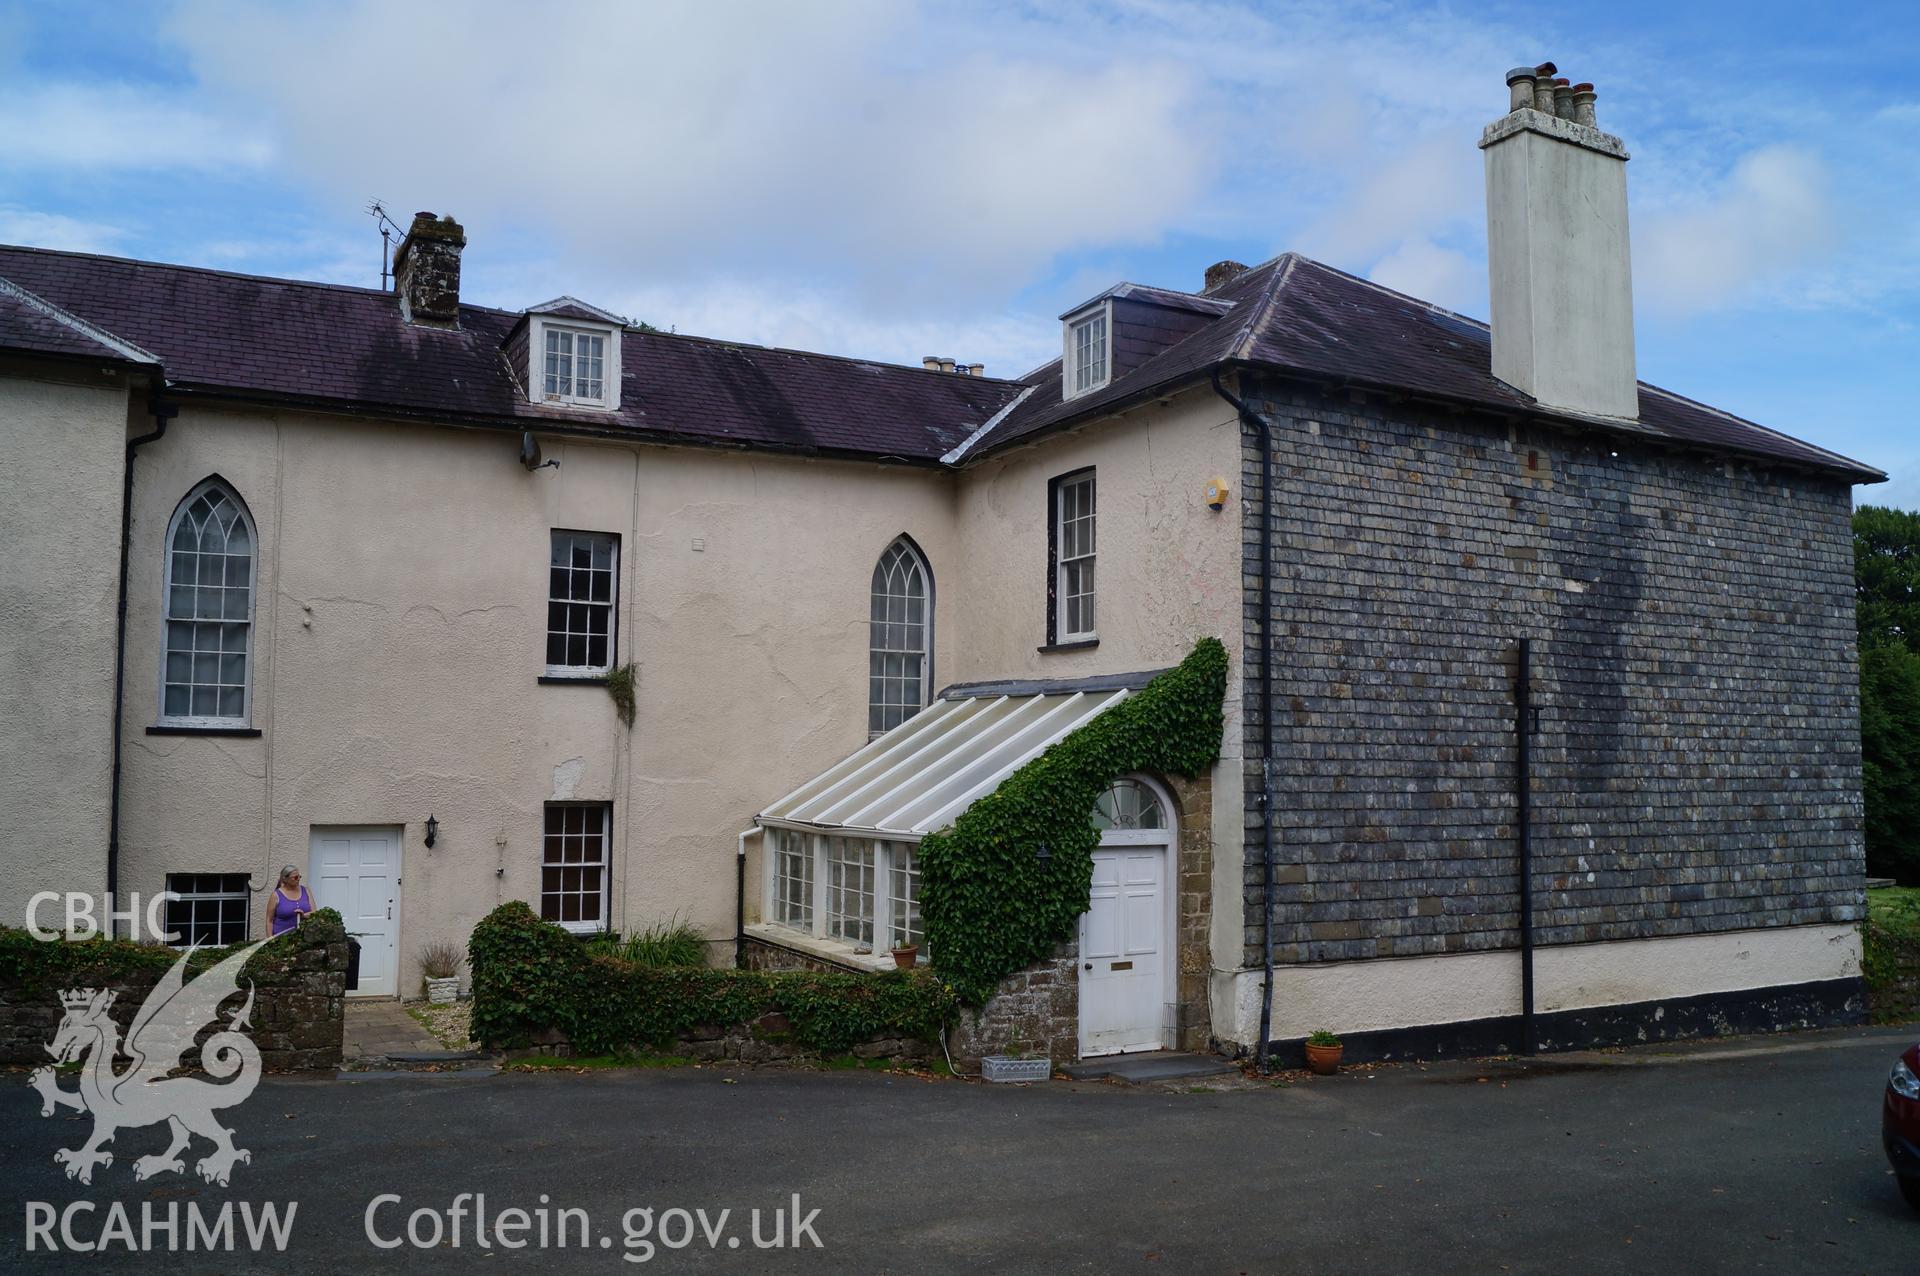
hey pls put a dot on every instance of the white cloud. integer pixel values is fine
(1444, 276)
(86, 127)
(859, 140)
(55, 230)
(1010, 344)
(1772, 218)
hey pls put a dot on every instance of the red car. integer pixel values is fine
(1900, 1123)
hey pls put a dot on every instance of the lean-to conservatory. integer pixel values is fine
(839, 852)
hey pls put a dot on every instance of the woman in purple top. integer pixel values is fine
(288, 908)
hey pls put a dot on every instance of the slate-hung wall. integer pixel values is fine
(1697, 764)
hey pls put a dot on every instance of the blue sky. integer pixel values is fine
(892, 180)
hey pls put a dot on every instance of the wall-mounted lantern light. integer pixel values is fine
(1044, 855)
(433, 829)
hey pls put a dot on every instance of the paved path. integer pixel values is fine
(1750, 1156)
(377, 1028)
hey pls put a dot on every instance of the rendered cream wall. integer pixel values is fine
(62, 444)
(400, 635)
(1361, 996)
(1168, 572)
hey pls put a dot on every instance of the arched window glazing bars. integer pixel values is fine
(206, 672)
(900, 637)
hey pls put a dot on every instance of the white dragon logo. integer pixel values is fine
(145, 1094)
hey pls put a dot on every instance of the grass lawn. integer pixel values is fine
(1897, 908)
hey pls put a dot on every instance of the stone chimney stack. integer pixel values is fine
(426, 271)
(1557, 256)
(1220, 274)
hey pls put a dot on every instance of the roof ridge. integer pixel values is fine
(1421, 302)
(215, 270)
(1737, 419)
(954, 456)
(1647, 386)
(885, 364)
(67, 319)
(628, 325)
(1241, 347)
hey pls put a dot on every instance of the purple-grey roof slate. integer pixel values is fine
(31, 323)
(327, 344)
(335, 346)
(1295, 315)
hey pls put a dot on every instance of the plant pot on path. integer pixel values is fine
(1323, 1053)
(442, 991)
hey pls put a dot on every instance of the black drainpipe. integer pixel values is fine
(740, 906)
(1263, 433)
(1530, 1042)
(162, 412)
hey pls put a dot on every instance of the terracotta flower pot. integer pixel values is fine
(1323, 1060)
(908, 957)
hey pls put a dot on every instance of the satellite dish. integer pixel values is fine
(529, 450)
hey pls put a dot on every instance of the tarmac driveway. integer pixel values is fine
(1755, 1155)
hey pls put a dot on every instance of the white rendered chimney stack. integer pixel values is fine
(1557, 257)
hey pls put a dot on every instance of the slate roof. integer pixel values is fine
(327, 345)
(330, 346)
(32, 323)
(1295, 315)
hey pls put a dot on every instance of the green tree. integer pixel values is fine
(1886, 561)
(1886, 573)
(1890, 744)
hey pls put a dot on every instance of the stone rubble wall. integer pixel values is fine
(297, 1022)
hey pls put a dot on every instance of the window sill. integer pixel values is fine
(165, 729)
(573, 680)
(1078, 644)
(829, 950)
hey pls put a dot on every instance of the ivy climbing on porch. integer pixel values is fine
(991, 904)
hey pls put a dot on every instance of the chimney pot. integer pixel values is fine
(931, 362)
(1520, 87)
(1543, 89)
(1222, 273)
(426, 271)
(1562, 99)
(1583, 98)
(946, 364)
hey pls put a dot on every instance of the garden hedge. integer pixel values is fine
(531, 977)
(31, 966)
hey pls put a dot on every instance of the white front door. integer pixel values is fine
(1123, 952)
(357, 871)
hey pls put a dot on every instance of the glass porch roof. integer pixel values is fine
(919, 777)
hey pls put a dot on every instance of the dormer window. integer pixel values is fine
(1085, 365)
(576, 366)
(571, 358)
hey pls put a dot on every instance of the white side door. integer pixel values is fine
(1123, 952)
(357, 871)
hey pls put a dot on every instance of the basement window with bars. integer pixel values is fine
(210, 909)
(574, 866)
(850, 890)
(582, 587)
